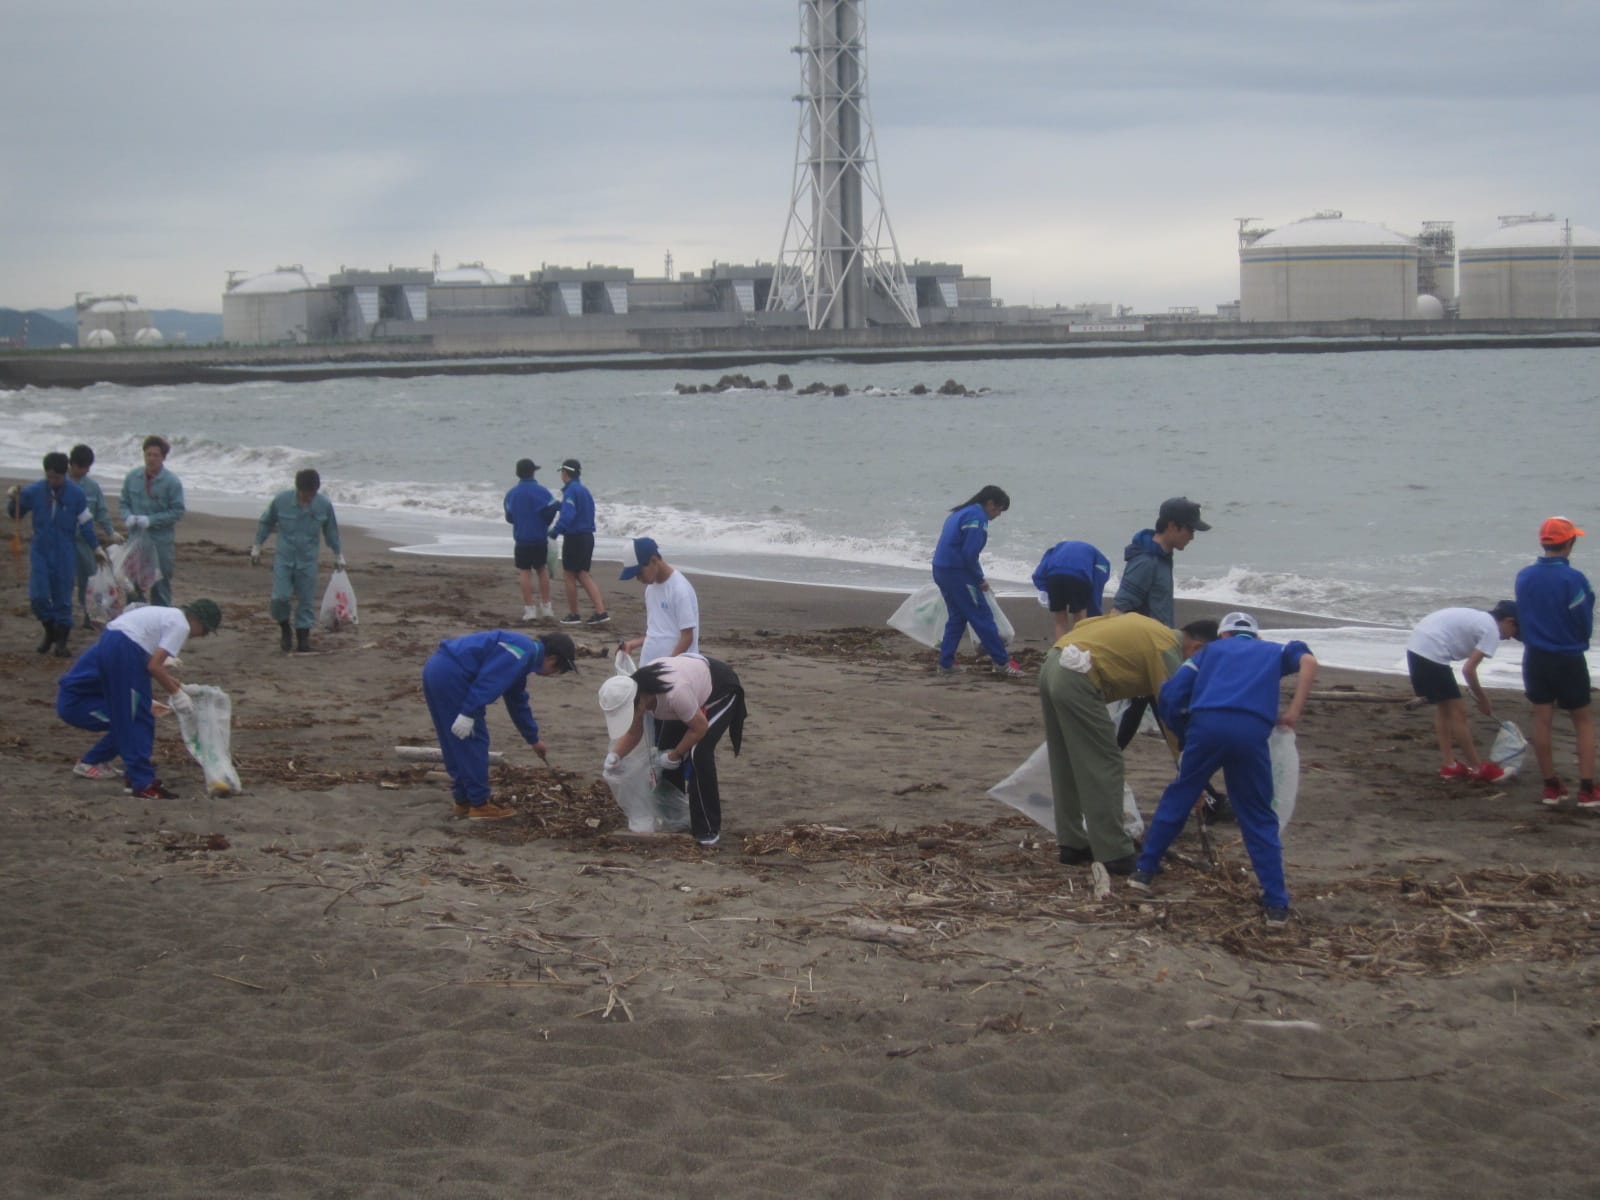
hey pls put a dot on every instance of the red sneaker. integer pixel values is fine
(1554, 793)
(1589, 798)
(1489, 772)
(1455, 770)
(154, 792)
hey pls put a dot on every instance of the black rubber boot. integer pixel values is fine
(49, 638)
(286, 637)
(63, 632)
(302, 640)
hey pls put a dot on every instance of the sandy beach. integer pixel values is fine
(881, 983)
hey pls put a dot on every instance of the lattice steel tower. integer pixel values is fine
(839, 259)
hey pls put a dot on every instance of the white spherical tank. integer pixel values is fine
(99, 339)
(1515, 271)
(1326, 268)
(1430, 308)
(148, 337)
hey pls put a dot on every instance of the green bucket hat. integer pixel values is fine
(206, 612)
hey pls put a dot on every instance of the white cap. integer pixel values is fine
(616, 701)
(1238, 622)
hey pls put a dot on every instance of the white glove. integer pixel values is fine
(339, 563)
(181, 702)
(613, 761)
(255, 554)
(463, 726)
(137, 522)
(664, 761)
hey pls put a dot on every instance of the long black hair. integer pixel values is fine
(987, 494)
(648, 679)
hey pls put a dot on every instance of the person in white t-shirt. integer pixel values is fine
(1440, 639)
(134, 651)
(672, 610)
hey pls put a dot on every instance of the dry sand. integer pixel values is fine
(327, 987)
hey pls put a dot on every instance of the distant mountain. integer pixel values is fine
(44, 330)
(175, 324)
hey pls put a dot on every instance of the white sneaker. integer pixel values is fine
(547, 612)
(103, 770)
(530, 612)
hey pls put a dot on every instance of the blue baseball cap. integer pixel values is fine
(644, 549)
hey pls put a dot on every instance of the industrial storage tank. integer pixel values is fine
(289, 304)
(1516, 271)
(1325, 268)
(119, 316)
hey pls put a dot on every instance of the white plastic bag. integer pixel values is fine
(646, 797)
(207, 732)
(923, 617)
(139, 564)
(1285, 773)
(1510, 748)
(1027, 789)
(338, 603)
(103, 594)
(624, 663)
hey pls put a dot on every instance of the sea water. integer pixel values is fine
(1368, 487)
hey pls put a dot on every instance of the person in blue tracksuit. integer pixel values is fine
(303, 519)
(960, 578)
(108, 690)
(575, 523)
(1072, 576)
(60, 518)
(461, 679)
(79, 463)
(529, 508)
(1223, 703)
(1555, 610)
(152, 500)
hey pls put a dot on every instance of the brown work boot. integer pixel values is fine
(490, 811)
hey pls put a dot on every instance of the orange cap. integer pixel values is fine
(1557, 530)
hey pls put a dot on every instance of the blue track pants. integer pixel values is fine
(108, 690)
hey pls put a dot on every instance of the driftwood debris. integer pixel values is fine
(434, 754)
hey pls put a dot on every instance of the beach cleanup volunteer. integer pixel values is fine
(461, 679)
(61, 518)
(1440, 639)
(1103, 659)
(109, 689)
(152, 500)
(79, 463)
(575, 524)
(1072, 577)
(529, 507)
(1223, 703)
(959, 576)
(671, 607)
(303, 519)
(694, 700)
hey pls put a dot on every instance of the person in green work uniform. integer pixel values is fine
(152, 500)
(79, 463)
(303, 519)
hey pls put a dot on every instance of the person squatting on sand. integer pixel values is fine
(1103, 659)
(152, 500)
(672, 610)
(959, 574)
(108, 689)
(1223, 703)
(694, 700)
(461, 679)
(575, 525)
(1555, 608)
(529, 509)
(303, 519)
(1440, 639)
(1072, 577)
(61, 519)
(79, 463)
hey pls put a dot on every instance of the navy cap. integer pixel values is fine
(644, 549)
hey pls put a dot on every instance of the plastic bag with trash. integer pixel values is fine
(139, 564)
(923, 616)
(1027, 789)
(650, 801)
(1510, 748)
(1285, 755)
(103, 594)
(207, 732)
(338, 603)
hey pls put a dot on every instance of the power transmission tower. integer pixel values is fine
(838, 246)
(1566, 278)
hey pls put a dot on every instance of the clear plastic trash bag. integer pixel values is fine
(646, 797)
(923, 616)
(1285, 755)
(1510, 748)
(103, 594)
(207, 733)
(338, 603)
(1027, 789)
(139, 565)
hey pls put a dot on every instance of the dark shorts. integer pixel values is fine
(1068, 593)
(1430, 680)
(577, 551)
(532, 556)
(1549, 677)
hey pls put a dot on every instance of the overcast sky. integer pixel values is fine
(1069, 151)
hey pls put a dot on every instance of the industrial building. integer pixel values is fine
(1534, 266)
(105, 321)
(1327, 268)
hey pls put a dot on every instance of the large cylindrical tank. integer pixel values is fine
(290, 304)
(120, 316)
(1515, 271)
(1326, 268)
